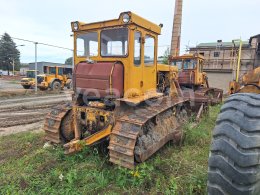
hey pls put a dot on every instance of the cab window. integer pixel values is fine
(114, 42)
(189, 64)
(149, 48)
(60, 71)
(177, 63)
(137, 48)
(52, 70)
(87, 44)
(30, 74)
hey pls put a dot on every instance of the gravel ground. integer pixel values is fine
(9, 84)
(27, 113)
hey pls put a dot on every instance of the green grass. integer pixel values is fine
(27, 168)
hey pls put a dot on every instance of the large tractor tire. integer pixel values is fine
(234, 161)
(56, 86)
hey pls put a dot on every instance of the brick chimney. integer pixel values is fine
(176, 30)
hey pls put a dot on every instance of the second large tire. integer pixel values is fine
(56, 86)
(234, 161)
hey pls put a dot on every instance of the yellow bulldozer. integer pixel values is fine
(120, 102)
(56, 78)
(234, 166)
(194, 82)
(29, 81)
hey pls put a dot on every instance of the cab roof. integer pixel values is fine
(134, 19)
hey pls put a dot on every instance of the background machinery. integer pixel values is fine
(116, 99)
(56, 78)
(234, 166)
(194, 82)
(29, 81)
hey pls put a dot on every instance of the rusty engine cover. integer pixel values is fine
(186, 78)
(95, 77)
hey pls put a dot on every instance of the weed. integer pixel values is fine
(27, 168)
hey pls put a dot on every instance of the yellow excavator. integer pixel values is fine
(118, 103)
(235, 149)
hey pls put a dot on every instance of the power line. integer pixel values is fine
(40, 43)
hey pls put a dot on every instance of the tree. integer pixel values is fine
(166, 56)
(68, 61)
(9, 54)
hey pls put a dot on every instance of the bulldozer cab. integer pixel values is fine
(190, 69)
(117, 57)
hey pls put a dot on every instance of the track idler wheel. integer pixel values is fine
(66, 128)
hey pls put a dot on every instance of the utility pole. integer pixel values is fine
(35, 44)
(176, 29)
(13, 67)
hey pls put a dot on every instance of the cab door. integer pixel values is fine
(135, 75)
(149, 64)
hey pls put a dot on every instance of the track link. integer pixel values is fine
(53, 121)
(132, 126)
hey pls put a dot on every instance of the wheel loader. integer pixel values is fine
(117, 103)
(194, 82)
(29, 81)
(55, 79)
(234, 166)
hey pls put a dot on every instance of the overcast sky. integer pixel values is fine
(48, 21)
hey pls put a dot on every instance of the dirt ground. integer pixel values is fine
(27, 113)
(8, 84)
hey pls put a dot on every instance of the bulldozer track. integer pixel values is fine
(143, 130)
(53, 122)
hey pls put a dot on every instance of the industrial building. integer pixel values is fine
(41, 65)
(221, 59)
(222, 56)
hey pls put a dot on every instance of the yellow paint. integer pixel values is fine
(200, 76)
(28, 82)
(142, 78)
(48, 78)
(239, 60)
(248, 85)
(77, 145)
(166, 68)
(140, 81)
(98, 136)
(110, 80)
(142, 98)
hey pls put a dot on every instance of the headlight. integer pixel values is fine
(126, 18)
(76, 26)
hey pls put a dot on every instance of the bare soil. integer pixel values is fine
(27, 113)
